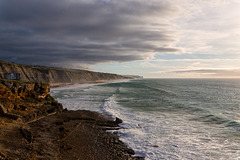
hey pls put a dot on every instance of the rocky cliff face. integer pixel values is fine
(55, 75)
(26, 99)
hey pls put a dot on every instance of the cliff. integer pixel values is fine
(34, 126)
(26, 100)
(55, 76)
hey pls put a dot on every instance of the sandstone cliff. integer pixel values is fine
(26, 100)
(55, 75)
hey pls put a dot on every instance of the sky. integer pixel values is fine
(151, 38)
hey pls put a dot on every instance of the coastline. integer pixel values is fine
(68, 135)
(55, 85)
(51, 132)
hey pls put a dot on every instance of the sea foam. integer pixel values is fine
(167, 119)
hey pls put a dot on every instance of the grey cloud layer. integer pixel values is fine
(88, 31)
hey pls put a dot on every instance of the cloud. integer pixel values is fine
(67, 32)
(210, 27)
(211, 73)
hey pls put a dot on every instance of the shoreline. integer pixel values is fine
(68, 135)
(47, 131)
(55, 85)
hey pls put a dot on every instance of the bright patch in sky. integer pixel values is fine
(154, 38)
(208, 32)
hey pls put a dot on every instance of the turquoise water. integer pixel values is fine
(168, 118)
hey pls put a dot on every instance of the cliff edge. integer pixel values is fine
(26, 100)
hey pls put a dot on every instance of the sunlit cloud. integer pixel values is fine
(154, 36)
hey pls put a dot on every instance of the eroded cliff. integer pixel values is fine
(53, 75)
(26, 100)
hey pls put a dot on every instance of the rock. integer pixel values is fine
(26, 134)
(118, 120)
(12, 116)
(59, 123)
(3, 155)
(23, 108)
(8, 84)
(3, 111)
(130, 151)
(29, 116)
(28, 99)
(65, 110)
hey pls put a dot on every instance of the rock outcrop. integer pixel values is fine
(34, 126)
(26, 99)
(53, 75)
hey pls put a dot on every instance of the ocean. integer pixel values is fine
(172, 119)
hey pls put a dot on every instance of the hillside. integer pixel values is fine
(55, 76)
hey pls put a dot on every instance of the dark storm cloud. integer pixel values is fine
(89, 31)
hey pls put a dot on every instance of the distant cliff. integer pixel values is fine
(55, 75)
(134, 76)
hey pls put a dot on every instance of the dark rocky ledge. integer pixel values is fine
(34, 126)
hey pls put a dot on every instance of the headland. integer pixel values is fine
(33, 125)
(56, 76)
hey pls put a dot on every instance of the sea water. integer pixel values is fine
(172, 119)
